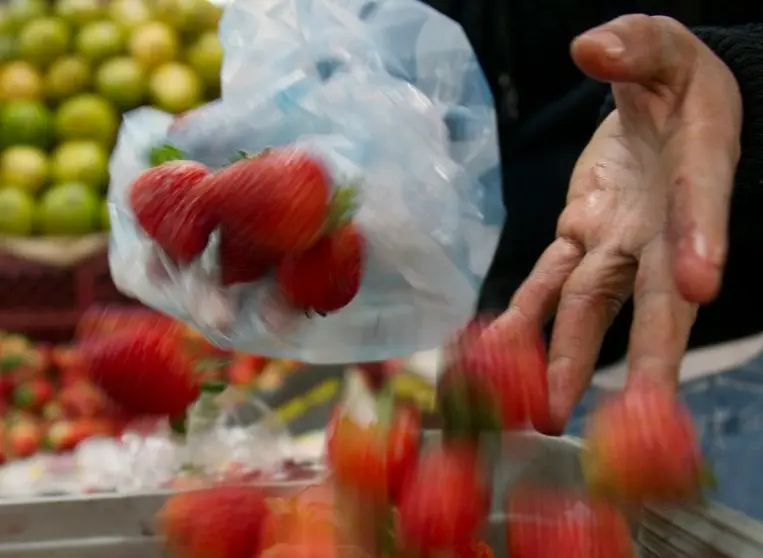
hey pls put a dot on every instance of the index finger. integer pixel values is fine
(662, 319)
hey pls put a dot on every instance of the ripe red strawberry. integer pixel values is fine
(444, 501)
(83, 400)
(278, 201)
(23, 437)
(642, 445)
(144, 372)
(220, 522)
(171, 204)
(543, 523)
(32, 395)
(241, 261)
(498, 371)
(375, 459)
(326, 277)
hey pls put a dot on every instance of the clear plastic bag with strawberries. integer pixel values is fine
(340, 203)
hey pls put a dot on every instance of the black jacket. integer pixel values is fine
(548, 110)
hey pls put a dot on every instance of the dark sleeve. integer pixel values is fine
(741, 48)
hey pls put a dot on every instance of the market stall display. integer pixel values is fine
(68, 70)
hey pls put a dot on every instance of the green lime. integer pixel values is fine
(24, 167)
(69, 209)
(129, 14)
(175, 88)
(105, 215)
(21, 12)
(79, 12)
(66, 77)
(87, 116)
(100, 40)
(123, 81)
(27, 123)
(43, 40)
(154, 44)
(80, 161)
(206, 57)
(16, 212)
(20, 81)
(188, 16)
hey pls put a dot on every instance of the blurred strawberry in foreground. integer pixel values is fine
(375, 459)
(543, 523)
(327, 277)
(444, 501)
(170, 203)
(104, 321)
(642, 445)
(219, 522)
(144, 372)
(496, 378)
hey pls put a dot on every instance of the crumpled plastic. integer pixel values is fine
(388, 92)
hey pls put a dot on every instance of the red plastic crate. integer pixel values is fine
(45, 301)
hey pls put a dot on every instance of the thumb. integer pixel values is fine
(652, 51)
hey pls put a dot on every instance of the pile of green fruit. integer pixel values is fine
(68, 70)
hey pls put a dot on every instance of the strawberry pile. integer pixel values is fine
(277, 213)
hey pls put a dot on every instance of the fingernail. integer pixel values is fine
(611, 43)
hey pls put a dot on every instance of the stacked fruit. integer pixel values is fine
(47, 401)
(49, 397)
(68, 69)
(277, 211)
(390, 498)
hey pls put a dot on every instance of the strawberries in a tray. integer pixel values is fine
(544, 523)
(444, 501)
(496, 377)
(144, 372)
(375, 459)
(172, 205)
(327, 277)
(642, 445)
(279, 201)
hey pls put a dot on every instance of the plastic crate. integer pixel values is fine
(45, 301)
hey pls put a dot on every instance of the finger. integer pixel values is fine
(651, 51)
(662, 320)
(700, 190)
(534, 302)
(590, 300)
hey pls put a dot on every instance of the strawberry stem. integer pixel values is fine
(164, 154)
(213, 387)
(342, 207)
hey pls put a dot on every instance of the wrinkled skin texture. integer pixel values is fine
(647, 206)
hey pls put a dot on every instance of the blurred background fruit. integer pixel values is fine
(68, 70)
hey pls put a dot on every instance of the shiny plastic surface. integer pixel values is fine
(387, 94)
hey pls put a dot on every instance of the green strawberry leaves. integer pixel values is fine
(164, 154)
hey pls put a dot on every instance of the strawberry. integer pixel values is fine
(543, 523)
(83, 400)
(327, 277)
(245, 369)
(52, 412)
(220, 522)
(278, 202)
(642, 445)
(144, 372)
(497, 375)
(32, 395)
(170, 202)
(308, 514)
(104, 321)
(23, 437)
(444, 501)
(65, 435)
(240, 261)
(375, 459)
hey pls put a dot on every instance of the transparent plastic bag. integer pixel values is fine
(387, 94)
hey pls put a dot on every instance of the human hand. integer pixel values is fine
(647, 207)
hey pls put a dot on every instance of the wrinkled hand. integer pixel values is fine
(647, 206)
